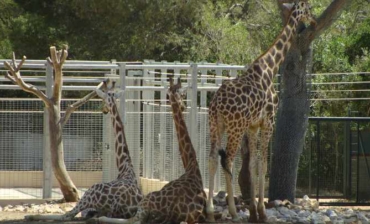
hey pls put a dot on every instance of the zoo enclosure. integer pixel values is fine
(89, 152)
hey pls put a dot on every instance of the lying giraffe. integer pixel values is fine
(182, 199)
(120, 197)
(247, 105)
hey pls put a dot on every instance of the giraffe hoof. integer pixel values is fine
(262, 219)
(253, 220)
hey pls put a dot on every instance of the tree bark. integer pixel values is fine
(69, 190)
(293, 111)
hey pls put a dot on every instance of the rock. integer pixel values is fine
(350, 220)
(331, 213)
(271, 212)
(272, 219)
(19, 208)
(220, 199)
(304, 213)
(317, 218)
(225, 214)
(243, 214)
(362, 218)
(218, 208)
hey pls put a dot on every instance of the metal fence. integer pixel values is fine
(336, 161)
(88, 136)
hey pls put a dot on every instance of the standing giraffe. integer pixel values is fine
(247, 105)
(119, 198)
(182, 199)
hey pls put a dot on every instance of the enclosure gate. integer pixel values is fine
(338, 156)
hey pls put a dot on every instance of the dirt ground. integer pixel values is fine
(18, 217)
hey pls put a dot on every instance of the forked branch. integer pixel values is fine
(14, 75)
(57, 60)
(71, 108)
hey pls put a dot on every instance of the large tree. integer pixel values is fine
(293, 111)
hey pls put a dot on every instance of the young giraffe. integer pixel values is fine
(247, 105)
(182, 199)
(119, 198)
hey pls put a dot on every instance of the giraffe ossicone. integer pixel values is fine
(247, 105)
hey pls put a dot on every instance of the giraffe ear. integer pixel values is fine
(288, 6)
(118, 94)
(183, 90)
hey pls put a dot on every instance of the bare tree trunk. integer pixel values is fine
(66, 184)
(292, 117)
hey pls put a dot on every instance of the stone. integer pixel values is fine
(304, 213)
(271, 212)
(363, 218)
(331, 213)
(272, 219)
(243, 214)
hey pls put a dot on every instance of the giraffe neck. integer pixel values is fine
(123, 160)
(268, 63)
(187, 151)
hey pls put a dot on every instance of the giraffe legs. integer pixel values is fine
(213, 163)
(233, 143)
(252, 134)
(266, 133)
(216, 130)
(230, 193)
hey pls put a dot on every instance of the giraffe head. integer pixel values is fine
(302, 10)
(177, 91)
(108, 94)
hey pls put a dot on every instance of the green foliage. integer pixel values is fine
(359, 42)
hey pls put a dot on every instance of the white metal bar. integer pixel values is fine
(163, 129)
(47, 166)
(202, 152)
(194, 106)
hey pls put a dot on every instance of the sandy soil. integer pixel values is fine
(18, 217)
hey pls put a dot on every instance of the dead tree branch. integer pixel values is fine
(71, 108)
(14, 76)
(57, 60)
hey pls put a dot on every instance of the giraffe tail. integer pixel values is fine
(223, 156)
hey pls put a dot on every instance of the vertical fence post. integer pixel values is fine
(194, 106)
(358, 164)
(132, 125)
(47, 166)
(122, 108)
(318, 162)
(175, 145)
(107, 150)
(202, 152)
(109, 168)
(163, 127)
(146, 127)
(217, 184)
